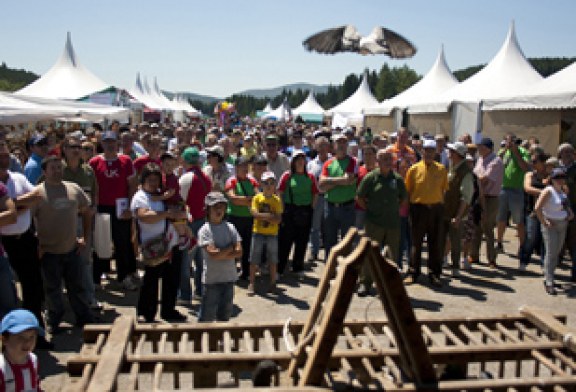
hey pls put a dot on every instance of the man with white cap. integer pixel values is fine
(338, 180)
(456, 201)
(426, 183)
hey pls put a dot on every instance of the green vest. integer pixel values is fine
(453, 195)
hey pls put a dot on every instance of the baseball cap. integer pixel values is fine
(487, 142)
(297, 153)
(109, 135)
(37, 140)
(339, 136)
(459, 148)
(191, 155)
(558, 173)
(216, 150)
(429, 143)
(20, 320)
(268, 175)
(214, 198)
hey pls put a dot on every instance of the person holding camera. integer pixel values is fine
(511, 199)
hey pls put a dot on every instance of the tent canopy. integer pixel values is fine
(67, 79)
(357, 102)
(309, 106)
(508, 72)
(281, 113)
(438, 80)
(557, 91)
(19, 108)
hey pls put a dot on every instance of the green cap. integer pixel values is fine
(191, 155)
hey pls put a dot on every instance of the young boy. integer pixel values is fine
(221, 245)
(18, 365)
(267, 212)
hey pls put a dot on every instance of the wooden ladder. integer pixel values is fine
(326, 318)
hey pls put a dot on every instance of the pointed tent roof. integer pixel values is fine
(357, 102)
(181, 103)
(556, 91)
(438, 80)
(161, 98)
(507, 72)
(268, 108)
(67, 79)
(282, 113)
(141, 93)
(309, 106)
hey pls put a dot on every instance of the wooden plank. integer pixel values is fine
(341, 249)
(109, 364)
(549, 325)
(332, 323)
(415, 359)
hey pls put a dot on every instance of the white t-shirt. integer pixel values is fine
(143, 199)
(17, 185)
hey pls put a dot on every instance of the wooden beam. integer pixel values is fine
(105, 375)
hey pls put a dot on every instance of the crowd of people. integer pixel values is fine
(217, 201)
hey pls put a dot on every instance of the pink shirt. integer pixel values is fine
(492, 168)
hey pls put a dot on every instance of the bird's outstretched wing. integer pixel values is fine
(398, 46)
(339, 39)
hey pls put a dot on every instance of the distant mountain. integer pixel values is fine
(275, 91)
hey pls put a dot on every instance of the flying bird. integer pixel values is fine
(347, 39)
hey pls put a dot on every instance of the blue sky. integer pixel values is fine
(221, 47)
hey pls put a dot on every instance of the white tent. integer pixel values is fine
(355, 104)
(281, 113)
(508, 72)
(181, 103)
(438, 80)
(350, 111)
(557, 91)
(309, 106)
(141, 93)
(268, 108)
(19, 108)
(67, 79)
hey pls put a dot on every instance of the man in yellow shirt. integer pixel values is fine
(426, 183)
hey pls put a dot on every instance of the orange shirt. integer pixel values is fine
(406, 153)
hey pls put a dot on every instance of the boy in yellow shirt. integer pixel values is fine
(267, 212)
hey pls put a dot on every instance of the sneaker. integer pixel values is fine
(500, 247)
(128, 284)
(492, 264)
(522, 267)
(410, 279)
(435, 281)
(250, 291)
(96, 306)
(363, 291)
(465, 264)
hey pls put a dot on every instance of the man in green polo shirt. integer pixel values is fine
(338, 180)
(381, 193)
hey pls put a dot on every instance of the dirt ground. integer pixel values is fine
(479, 291)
